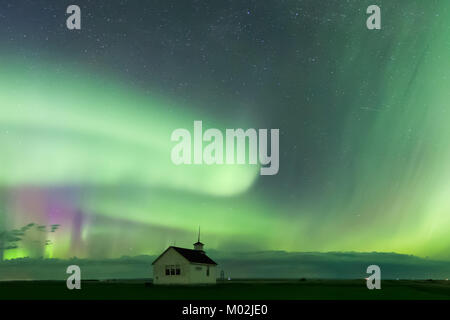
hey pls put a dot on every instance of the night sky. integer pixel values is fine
(86, 118)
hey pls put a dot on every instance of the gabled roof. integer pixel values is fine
(194, 256)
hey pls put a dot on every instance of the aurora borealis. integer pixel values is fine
(86, 118)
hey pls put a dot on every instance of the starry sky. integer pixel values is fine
(86, 117)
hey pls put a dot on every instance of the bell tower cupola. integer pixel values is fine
(198, 245)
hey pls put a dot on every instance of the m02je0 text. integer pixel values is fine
(247, 309)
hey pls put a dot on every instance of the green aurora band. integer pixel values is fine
(388, 189)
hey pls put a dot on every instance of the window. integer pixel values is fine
(207, 271)
(173, 270)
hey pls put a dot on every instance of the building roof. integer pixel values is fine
(193, 256)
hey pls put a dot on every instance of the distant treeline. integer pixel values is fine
(267, 264)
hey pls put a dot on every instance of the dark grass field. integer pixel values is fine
(229, 290)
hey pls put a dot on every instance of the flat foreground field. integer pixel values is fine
(229, 290)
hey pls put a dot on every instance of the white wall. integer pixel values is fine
(198, 273)
(171, 257)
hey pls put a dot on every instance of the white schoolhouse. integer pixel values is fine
(184, 266)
